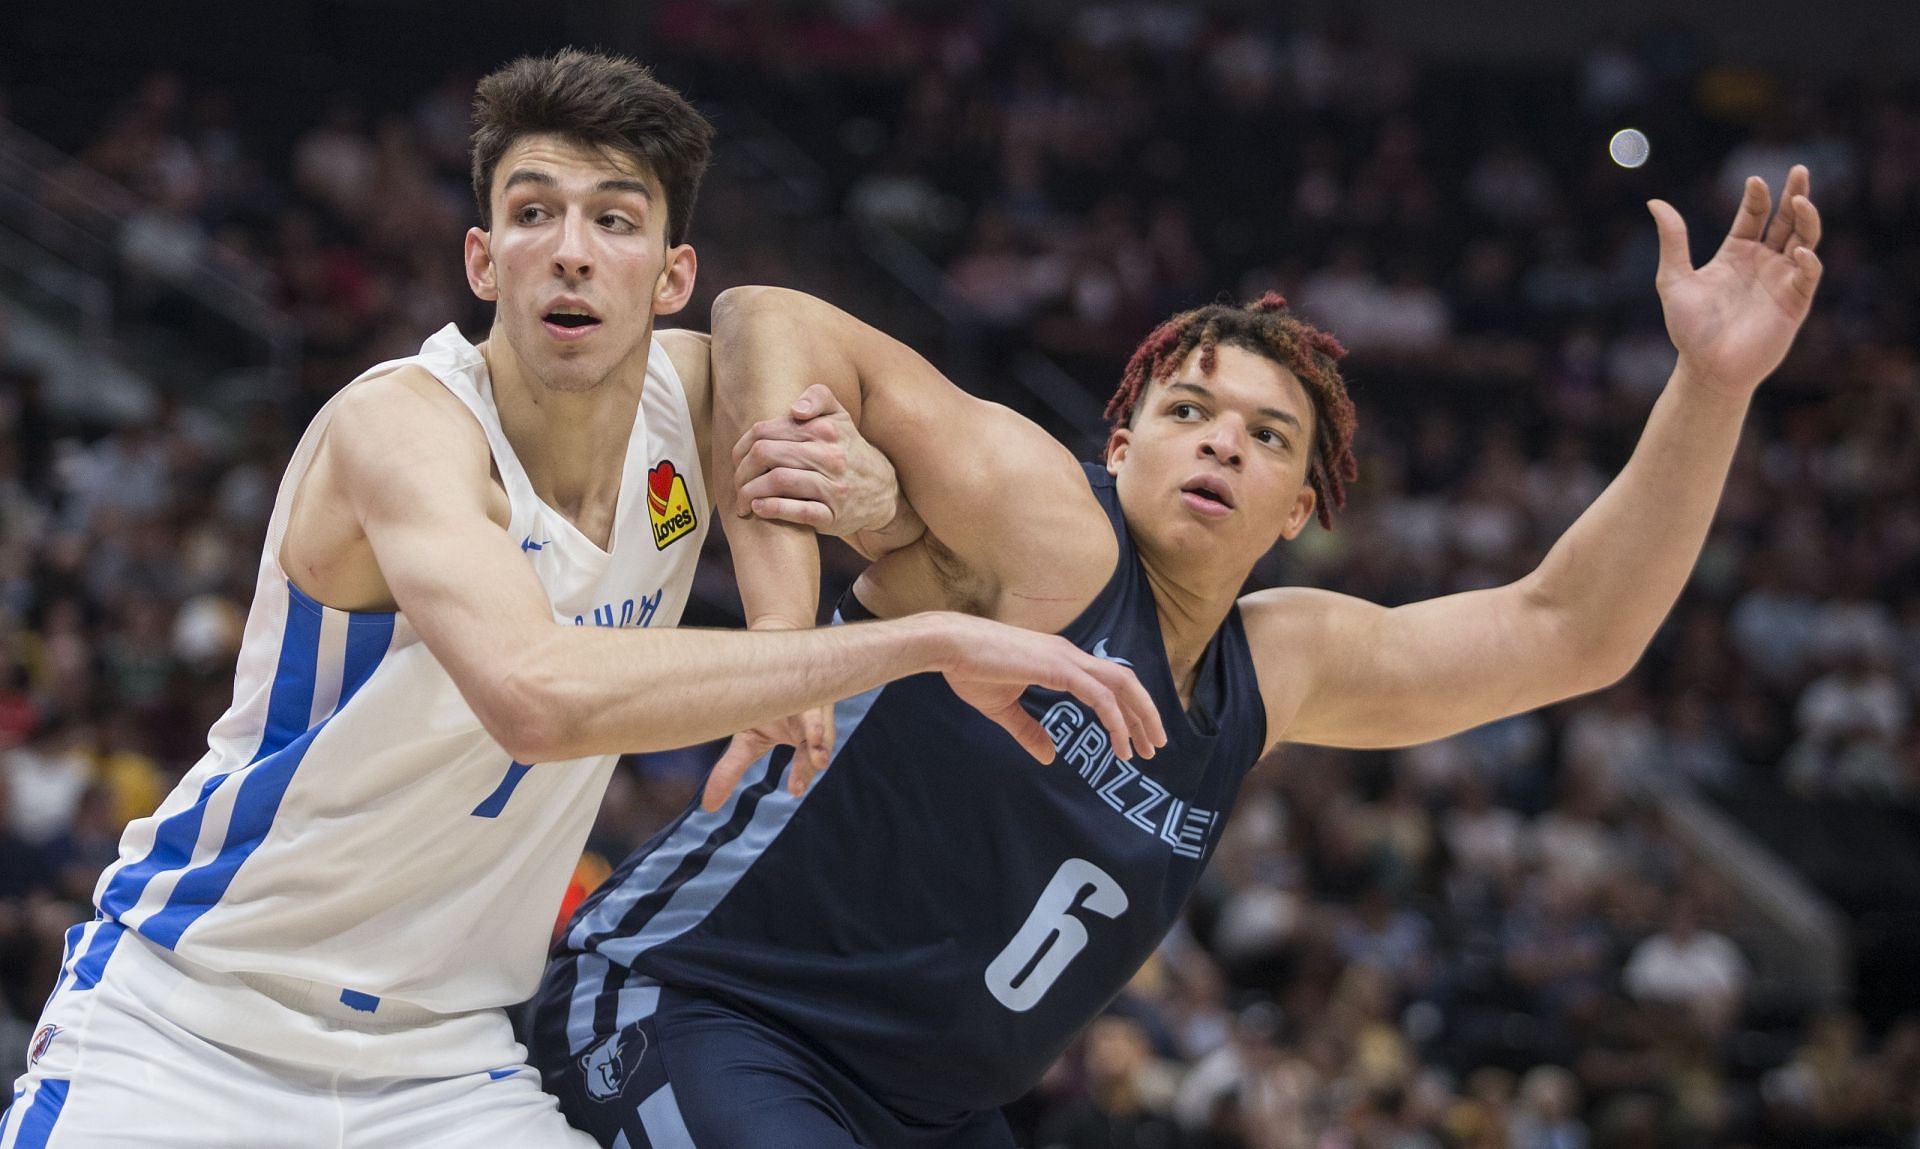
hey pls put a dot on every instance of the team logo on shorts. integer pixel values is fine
(41, 1041)
(668, 505)
(609, 1062)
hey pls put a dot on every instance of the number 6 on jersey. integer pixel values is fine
(1052, 936)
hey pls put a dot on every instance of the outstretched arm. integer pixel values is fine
(1580, 621)
(413, 466)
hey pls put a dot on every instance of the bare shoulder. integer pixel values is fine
(1290, 611)
(690, 352)
(1293, 633)
(394, 446)
(403, 419)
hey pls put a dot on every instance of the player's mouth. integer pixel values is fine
(1208, 496)
(569, 320)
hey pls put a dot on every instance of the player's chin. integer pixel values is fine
(574, 372)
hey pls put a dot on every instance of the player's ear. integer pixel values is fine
(1117, 444)
(675, 285)
(479, 256)
(1302, 512)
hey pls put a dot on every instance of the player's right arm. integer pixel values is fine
(412, 466)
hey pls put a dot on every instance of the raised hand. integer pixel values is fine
(1733, 319)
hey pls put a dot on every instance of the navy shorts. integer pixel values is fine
(639, 1065)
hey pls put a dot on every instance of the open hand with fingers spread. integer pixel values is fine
(1733, 319)
(989, 665)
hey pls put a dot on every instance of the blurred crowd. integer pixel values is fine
(1491, 941)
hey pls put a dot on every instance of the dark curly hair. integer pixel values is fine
(1264, 327)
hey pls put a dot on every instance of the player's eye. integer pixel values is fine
(532, 213)
(1185, 411)
(1271, 437)
(619, 223)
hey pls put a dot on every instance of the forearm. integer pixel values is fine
(604, 691)
(775, 564)
(1614, 575)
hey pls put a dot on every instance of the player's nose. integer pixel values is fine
(1226, 442)
(573, 258)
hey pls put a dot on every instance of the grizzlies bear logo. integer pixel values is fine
(609, 1063)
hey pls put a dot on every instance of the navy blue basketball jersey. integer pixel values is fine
(941, 914)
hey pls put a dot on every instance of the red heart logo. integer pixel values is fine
(660, 481)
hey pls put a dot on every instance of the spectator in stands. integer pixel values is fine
(1546, 1114)
(1690, 968)
(1126, 1099)
(1852, 723)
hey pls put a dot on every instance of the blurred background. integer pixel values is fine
(1684, 912)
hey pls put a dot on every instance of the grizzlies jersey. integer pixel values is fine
(352, 823)
(941, 914)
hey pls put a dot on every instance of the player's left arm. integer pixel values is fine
(1341, 672)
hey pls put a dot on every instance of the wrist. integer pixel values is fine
(1692, 379)
(936, 639)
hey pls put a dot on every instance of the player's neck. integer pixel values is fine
(1192, 606)
(572, 444)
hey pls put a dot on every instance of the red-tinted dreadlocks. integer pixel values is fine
(1264, 327)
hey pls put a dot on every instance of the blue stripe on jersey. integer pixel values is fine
(36, 1124)
(495, 802)
(602, 915)
(271, 773)
(368, 637)
(364, 1002)
(93, 963)
(290, 702)
(6, 1118)
(672, 907)
(660, 1117)
(595, 982)
(290, 706)
(604, 910)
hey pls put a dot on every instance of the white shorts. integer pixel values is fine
(135, 1048)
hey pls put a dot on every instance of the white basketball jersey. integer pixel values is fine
(352, 823)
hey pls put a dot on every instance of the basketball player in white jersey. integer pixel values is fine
(461, 617)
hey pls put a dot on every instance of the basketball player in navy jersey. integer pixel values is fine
(890, 958)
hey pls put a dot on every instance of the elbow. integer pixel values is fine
(525, 712)
(738, 305)
(1593, 654)
(1610, 668)
(1602, 661)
